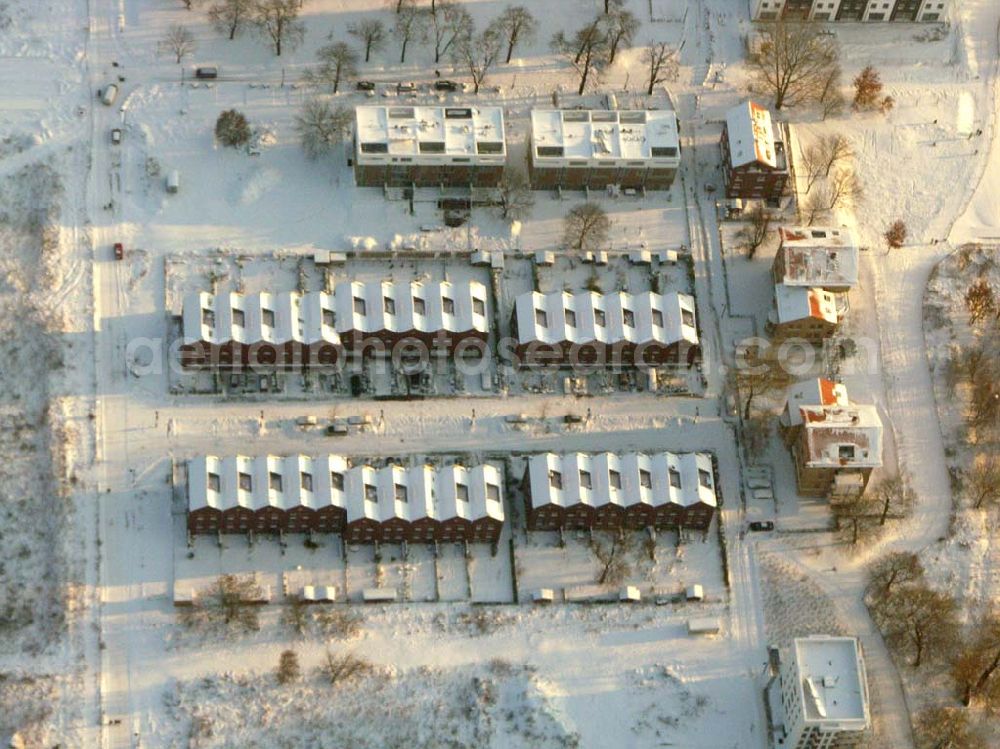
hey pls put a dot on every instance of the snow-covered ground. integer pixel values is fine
(88, 516)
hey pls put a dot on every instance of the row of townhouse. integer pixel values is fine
(290, 329)
(813, 270)
(850, 10)
(835, 444)
(616, 328)
(429, 146)
(609, 491)
(329, 494)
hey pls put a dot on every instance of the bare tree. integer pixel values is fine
(371, 33)
(620, 28)
(755, 232)
(895, 235)
(228, 603)
(477, 54)
(340, 668)
(980, 301)
(410, 26)
(833, 149)
(230, 16)
(894, 496)
(278, 21)
(982, 483)
(855, 517)
(984, 405)
(661, 64)
(895, 568)
(946, 728)
(791, 61)
(586, 227)
(612, 558)
(918, 620)
(867, 89)
(586, 51)
(296, 616)
(288, 667)
(515, 196)
(610, 5)
(337, 61)
(450, 25)
(753, 376)
(831, 97)
(320, 126)
(816, 204)
(338, 623)
(180, 41)
(976, 666)
(515, 25)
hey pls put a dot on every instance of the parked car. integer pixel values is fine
(174, 181)
(207, 73)
(109, 94)
(116, 136)
(406, 87)
(762, 525)
(119, 251)
(444, 85)
(365, 85)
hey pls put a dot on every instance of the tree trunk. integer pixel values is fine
(402, 54)
(368, 50)
(336, 81)
(583, 79)
(614, 51)
(510, 50)
(985, 675)
(918, 641)
(854, 531)
(232, 30)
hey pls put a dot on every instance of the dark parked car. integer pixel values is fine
(207, 73)
(365, 85)
(447, 86)
(762, 525)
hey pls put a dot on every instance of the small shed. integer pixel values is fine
(544, 257)
(630, 594)
(378, 595)
(318, 594)
(543, 595)
(695, 593)
(707, 625)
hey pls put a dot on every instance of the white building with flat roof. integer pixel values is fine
(820, 256)
(577, 148)
(925, 11)
(820, 700)
(403, 145)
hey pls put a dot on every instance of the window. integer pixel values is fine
(645, 479)
(389, 305)
(570, 318)
(419, 306)
(550, 151)
(687, 317)
(245, 482)
(675, 478)
(359, 306)
(615, 479)
(555, 479)
(600, 318)
(207, 317)
(585, 480)
(704, 478)
(239, 318)
(306, 481)
(493, 492)
(541, 318)
(846, 452)
(479, 306)
(267, 317)
(328, 318)
(462, 492)
(629, 316)
(432, 147)
(399, 491)
(448, 305)
(663, 151)
(489, 146)
(214, 482)
(274, 481)
(374, 148)
(371, 493)
(657, 318)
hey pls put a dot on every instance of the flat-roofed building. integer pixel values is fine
(429, 146)
(816, 256)
(820, 698)
(578, 148)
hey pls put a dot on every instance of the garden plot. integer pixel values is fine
(453, 575)
(413, 575)
(362, 572)
(490, 574)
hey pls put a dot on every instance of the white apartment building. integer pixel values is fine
(850, 10)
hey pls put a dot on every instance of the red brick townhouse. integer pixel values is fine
(754, 159)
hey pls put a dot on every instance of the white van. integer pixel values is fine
(173, 181)
(109, 94)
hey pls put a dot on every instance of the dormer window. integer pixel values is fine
(570, 318)
(493, 492)
(245, 482)
(399, 491)
(479, 306)
(675, 478)
(600, 318)
(687, 317)
(389, 305)
(214, 482)
(645, 479)
(629, 318)
(462, 492)
(328, 318)
(555, 480)
(267, 317)
(615, 479)
(371, 493)
(419, 306)
(359, 306)
(846, 452)
(657, 318)
(337, 480)
(541, 319)
(208, 317)
(704, 478)
(274, 481)
(306, 481)
(239, 318)
(585, 480)
(448, 305)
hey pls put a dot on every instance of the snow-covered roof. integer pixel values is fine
(833, 686)
(818, 256)
(393, 491)
(751, 136)
(316, 317)
(421, 134)
(797, 303)
(611, 137)
(625, 480)
(814, 392)
(587, 317)
(842, 436)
